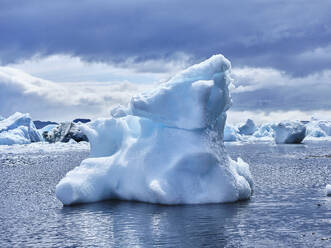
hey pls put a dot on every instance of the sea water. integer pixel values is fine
(289, 206)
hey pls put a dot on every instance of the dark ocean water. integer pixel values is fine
(288, 209)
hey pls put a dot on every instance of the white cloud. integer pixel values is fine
(250, 79)
(61, 87)
(259, 117)
(75, 88)
(45, 99)
(64, 68)
(266, 89)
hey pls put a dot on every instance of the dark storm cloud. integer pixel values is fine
(252, 33)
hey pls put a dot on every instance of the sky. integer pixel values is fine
(64, 59)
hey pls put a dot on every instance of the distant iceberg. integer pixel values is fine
(18, 129)
(264, 130)
(64, 132)
(231, 134)
(248, 128)
(319, 128)
(289, 132)
(328, 189)
(165, 147)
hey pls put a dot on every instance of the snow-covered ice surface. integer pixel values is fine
(167, 147)
(44, 147)
(289, 132)
(18, 129)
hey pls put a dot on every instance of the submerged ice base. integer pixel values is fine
(165, 147)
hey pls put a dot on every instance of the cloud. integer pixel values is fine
(263, 89)
(235, 117)
(61, 87)
(286, 35)
(64, 68)
(48, 100)
(92, 89)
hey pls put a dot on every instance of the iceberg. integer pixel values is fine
(165, 147)
(328, 189)
(319, 128)
(248, 128)
(264, 130)
(44, 131)
(287, 132)
(64, 132)
(119, 111)
(1, 118)
(18, 129)
(325, 126)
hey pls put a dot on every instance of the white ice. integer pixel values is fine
(231, 134)
(319, 128)
(289, 132)
(264, 130)
(65, 131)
(47, 128)
(18, 129)
(167, 147)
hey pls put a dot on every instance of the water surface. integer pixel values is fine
(288, 208)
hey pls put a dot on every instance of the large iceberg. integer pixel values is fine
(18, 129)
(289, 132)
(165, 147)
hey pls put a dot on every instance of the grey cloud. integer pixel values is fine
(254, 33)
(272, 90)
